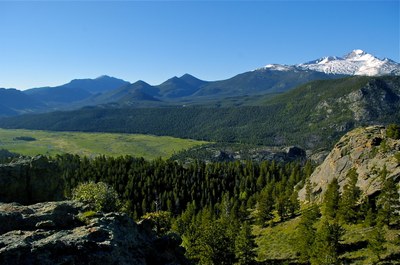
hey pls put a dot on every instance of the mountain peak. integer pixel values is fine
(357, 62)
(355, 53)
(187, 76)
(359, 55)
(277, 67)
(103, 77)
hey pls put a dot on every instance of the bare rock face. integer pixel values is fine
(56, 233)
(367, 150)
(30, 180)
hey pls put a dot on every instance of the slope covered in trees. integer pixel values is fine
(220, 210)
(312, 116)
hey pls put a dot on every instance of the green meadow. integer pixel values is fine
(92, 144)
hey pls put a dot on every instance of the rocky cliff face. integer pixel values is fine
(58, 233)
(377, 97)
(368, 151)
(30, 180)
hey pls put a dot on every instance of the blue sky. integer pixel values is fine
(51, 42)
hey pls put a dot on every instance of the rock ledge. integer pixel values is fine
(53, 233)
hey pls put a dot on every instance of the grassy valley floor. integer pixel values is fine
(32, 142)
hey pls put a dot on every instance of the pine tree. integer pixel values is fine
(265, 205)
(306, 232)
(349, 199)
(326, 245)
(294, 203)
(309, 193)
(216, 244)
(245, 246)
(331, 200)
(388, 201)
(376, 242)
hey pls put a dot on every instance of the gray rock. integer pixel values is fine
(367, 150)
(30, 180)
(53, 233)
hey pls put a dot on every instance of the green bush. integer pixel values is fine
(160, 221)
(86, 216)
(397, 156)
(99, 196)
(393, 131)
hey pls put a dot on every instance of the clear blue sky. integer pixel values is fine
(51, 42)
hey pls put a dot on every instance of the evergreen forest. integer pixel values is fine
(229, 212)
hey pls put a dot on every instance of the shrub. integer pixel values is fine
(397, 156)
(99, 196)
(160, 221)
(24, 138)
(393, 131)
(86, 216)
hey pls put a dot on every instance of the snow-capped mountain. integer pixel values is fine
(356, 62)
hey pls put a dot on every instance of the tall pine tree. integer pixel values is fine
(331, 200)
(306, 232)
(326, 244)
(349, 200)
(245, 246)
(388, 201)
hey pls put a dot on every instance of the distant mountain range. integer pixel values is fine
(356, 62)
(313, 115)
(242, 89)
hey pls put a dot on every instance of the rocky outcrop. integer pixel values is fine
(368, 151)
(228, 153)
(66, 233)
(30, 180)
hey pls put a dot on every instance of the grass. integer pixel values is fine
(93, 144)
(278, 243)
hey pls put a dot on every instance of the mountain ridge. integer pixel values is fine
(242, 89)
(311, 116)
(357, 62)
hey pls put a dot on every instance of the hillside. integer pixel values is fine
(312, 116)
(13, 102)
(216, 206)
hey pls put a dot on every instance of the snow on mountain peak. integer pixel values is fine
(357, 62)
(277, 67)
(358, 52)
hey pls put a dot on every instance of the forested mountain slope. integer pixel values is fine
(313, 115)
